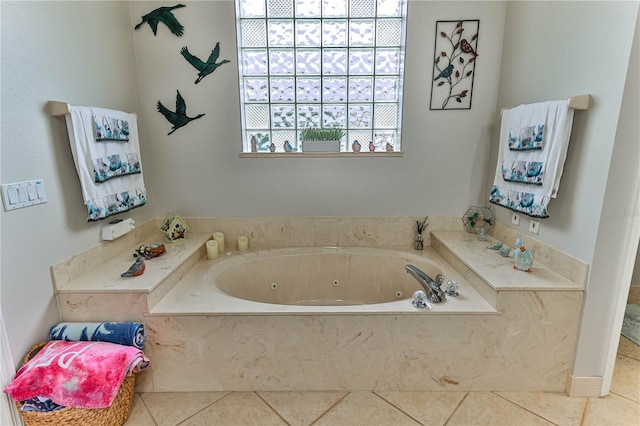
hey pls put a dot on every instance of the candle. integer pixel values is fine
(212, 249)
(243, 243)
(219, 237)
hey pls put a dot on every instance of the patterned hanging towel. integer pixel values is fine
(534, 140)
(106, 152)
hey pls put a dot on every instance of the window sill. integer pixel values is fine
(319, 154)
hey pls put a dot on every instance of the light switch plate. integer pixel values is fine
(23, 194)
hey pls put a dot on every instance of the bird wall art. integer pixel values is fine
(205, 68)
(178, 118)
(455, 54)
(164, 15)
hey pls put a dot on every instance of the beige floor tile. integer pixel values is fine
(430, 408)
(555, 407)
(486, 408)
(139, 415)
(611, 410)
(626, 378)
(170, 408)
(364, 409)
(301, 408)
(628, 348)
(236, 409)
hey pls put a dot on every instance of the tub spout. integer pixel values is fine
(431, 287)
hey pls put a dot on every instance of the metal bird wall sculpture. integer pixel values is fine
(205, 68)
(164, 15)
(178, 118)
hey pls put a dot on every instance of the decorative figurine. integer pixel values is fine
(174, 228)
(205, 68)
(421, 227)
(254, 144)
(272, 147)
(151, 251)
(495, 246)
(288, 147)
(482, 235)
(178, 118)
(136, 269)
(388, 147)
(355, 146)
(522, 257)
(372, 147)
(504, 251)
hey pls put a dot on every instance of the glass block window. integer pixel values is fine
(323, 64)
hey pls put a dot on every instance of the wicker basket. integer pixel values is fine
(115, 414)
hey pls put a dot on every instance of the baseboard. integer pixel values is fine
(583, 386)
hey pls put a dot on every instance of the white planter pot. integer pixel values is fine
(320, 146)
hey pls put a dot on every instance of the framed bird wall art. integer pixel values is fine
(454, 62)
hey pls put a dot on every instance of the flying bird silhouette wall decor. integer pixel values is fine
(164, 15)
(178, 118)
(205, 68)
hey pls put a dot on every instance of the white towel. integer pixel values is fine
(121, 187)
(534, 139)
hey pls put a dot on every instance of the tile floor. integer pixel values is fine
(620, 408)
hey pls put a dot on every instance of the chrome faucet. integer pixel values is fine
(431, 287)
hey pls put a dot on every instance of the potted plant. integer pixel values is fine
(321, 140)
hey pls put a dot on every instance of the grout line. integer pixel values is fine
(525, 408)
(144, 404)
(628, 356)
(584, 412)
(205, 407)
(273, 409)
(330, 408)
(455, 410)
(624, 396)
(397, 408)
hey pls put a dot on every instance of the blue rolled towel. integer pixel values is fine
(123, 333)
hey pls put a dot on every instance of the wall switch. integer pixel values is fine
(534, 226)
(23, 194)
(515, 219)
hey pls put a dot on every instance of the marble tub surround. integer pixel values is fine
(362, 273)
(370, 352)
(271, 232)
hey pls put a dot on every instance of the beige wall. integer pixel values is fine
(77, 52)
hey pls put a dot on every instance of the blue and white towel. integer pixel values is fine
(123, 333)
(534, 140)
(106, 152)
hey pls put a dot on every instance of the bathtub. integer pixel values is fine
(311, 280)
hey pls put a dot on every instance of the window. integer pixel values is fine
(323, 64)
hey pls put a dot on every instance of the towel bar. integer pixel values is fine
(60, 109)
(576, 102)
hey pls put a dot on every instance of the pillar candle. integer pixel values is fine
(212, 249)
(219, 237)
(243, 243)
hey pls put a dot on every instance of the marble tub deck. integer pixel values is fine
(493, 345)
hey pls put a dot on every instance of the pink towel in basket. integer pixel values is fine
(77, 374)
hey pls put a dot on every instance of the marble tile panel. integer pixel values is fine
(102, 306)
(555, 407)
(626, 378)
(238, 408)
(556, 260)
(611, 410)
(270, 232)
(171, 408)
(485, 408)
(85, 262)
(301, 408)
(402, 352)
(364, 408)
(429, 408)
(497, 270)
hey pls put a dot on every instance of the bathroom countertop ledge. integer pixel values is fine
(497, 270)
(106, 277)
